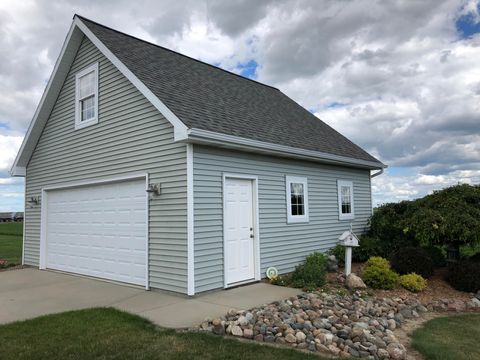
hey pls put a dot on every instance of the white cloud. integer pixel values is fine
(9, 146)
(393, 76)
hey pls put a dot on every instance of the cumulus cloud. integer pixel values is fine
(399, 78)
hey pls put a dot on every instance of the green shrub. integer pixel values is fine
(389, 226)
(378, 275)
(412, 259)
(464, 275)
(437, 255)
(413, 282)
(339, 252)
(380, 278)
(377, 261)
(311, 274)
(449, 217)
(369, 246)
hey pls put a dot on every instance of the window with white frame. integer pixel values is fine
(345, 200)
(297, 199)
(86, 97)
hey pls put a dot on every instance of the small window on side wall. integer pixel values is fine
(297, 199)
(86, 97)
(345, 200)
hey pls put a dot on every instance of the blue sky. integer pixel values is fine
(405, 88)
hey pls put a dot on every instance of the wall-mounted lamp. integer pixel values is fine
(154, 189)
(33, 200)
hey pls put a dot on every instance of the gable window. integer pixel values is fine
(297, 199)
(345, 200)
(86, 97)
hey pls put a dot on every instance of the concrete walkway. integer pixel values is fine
(28, 293)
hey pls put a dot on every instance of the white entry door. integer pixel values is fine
(99, 230)
(239, 231)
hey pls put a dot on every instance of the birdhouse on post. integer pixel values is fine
(349, 240)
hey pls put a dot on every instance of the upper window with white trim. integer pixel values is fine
(345, 200)
(297, 199)
(86, 97)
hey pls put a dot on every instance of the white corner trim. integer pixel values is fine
(180, 129)
(340, 184)
(235, 142)
(24, 217)
(190, 224)
(147, 222)
(43, 231)
(295, 219)
(256, 225)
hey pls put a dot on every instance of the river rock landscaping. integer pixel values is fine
(343, 325)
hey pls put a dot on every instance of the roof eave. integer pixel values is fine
(206, 137)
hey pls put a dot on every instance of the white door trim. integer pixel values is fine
(43, 214)
(256, 232)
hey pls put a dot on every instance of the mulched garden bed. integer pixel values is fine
(437, 296)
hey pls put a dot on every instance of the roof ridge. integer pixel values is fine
(175, 52)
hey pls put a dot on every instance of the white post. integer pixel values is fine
(348, 260)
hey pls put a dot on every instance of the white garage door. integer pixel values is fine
(99, 230)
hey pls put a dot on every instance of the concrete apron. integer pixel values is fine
(28, 293)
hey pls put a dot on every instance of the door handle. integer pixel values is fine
(251, 236)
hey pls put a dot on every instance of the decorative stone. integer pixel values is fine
(383, 354)
(396, 351)
(353, 282)
(242, 321)
(248, 333)
(332, 264)
(474, 303)
(237, 331)
(219, 329)
(333, 349)
(300, 337)
(290, 338)
(258, 338)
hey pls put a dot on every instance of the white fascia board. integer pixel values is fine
(207, 137)
(180, 129)
(48, 99)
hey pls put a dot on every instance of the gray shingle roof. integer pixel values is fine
(205, 97)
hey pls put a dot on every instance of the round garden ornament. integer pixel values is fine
(272, 272)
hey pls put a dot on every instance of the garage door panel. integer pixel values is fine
(99, 230)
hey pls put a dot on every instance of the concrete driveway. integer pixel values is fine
(28, 293)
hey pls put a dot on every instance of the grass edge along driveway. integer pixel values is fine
(449, 338)
(108, 333)
(11, 242)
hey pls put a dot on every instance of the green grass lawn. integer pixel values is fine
(11, 242)
(449, 338)
(106, 333)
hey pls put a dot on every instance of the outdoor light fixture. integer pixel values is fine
(33, 200)
(154, 189)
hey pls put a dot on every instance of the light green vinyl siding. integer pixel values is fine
(282, 245)
(131, 137)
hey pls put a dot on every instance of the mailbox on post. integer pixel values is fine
(349, 240)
